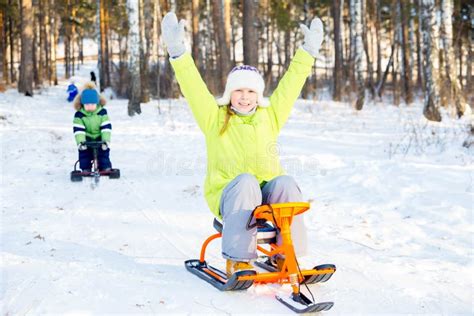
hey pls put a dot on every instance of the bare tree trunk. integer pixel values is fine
(46, 30)
(293, 40)
(195, 31)
(80, 41)
(145, 92)
(35, 49)
(459, 43)
(266, 43)
(358, 53)
(450, 61)
(411, 44)
(397, 60)
(443, 83)
(383, 79)
(405, 73)
(287, 43)
(67, 40)
(395, 63)
(408, 84)
(372, 41)
(470, 60)
(432, 101)
(54, 42)
(279, 53)
(148, 14)
(166, 6)
(134, 57)
(102, 45)
(227, 21)
(352, 36)
(12, 45)
(365, 35)
(269, 49)
(108, 48)
(123, 71)
(419, 48)
(155, 33)
(373, 47)
(156, 45)
(8, 47)
(207, 42)
(214, 64)
(81, 49)
(3, 59)
(172, 6)
(223, 50)
(338, 75)
(250, 35)
(233, 33)
(25, 84)
(39, 44)
(72, 40)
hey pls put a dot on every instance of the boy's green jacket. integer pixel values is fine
(94, 125)
(249, 145)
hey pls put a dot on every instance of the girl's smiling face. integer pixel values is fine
(244, 99)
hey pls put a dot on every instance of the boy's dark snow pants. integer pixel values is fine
(86, 156)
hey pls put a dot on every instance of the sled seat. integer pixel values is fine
(266, 233)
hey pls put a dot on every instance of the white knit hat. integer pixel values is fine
(244, 77)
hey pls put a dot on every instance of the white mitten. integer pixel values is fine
(81, 146)
(173, 34)
(313, 37)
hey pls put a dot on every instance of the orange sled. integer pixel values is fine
(269, 218)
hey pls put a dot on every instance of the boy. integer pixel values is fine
(91, 123)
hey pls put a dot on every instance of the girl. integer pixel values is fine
(241, 130)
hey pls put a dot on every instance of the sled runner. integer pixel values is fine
(269, 219)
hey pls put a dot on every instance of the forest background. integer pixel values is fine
(399, 49)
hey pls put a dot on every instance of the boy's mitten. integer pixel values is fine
(105, 146)
(82, 146)
(313, 37)
(173, 34)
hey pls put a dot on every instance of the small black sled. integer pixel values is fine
(77, 175)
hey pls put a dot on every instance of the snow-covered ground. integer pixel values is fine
(392, 208)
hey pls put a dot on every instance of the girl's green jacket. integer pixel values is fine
(249, 145)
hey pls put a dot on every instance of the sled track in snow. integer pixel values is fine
(28, 291)
(168, 235)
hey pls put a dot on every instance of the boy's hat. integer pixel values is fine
(89, 96)
(244, 77)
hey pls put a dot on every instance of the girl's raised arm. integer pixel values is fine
(202, 102)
